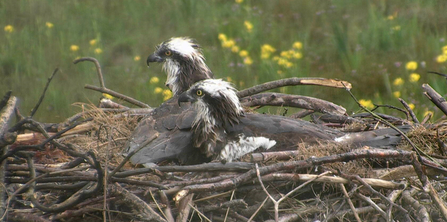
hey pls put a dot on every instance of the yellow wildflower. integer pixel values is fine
(412, 106)
(396, 94)
(390, 17)
(279, 72)
(74, 48)
(441, 58)
(239, 1)
(297, 55)
(428, 113)
(366, 103)
(266, 51)
(444, 50)
(235, 49)
(243, 53)
(275, 58)
(9, 28)
(222, 37)
(248, 61)
(398, 81)
(158, 90)
(228, 43)
(282, 61)
(248, 26)
(297, 45)
(154, 80)
(411, 65)
(241, 83)
(229, 79)
(167, 94)
(136, 58)
(396, 28)
(93, 42)
(108, 96)
(49, 25)
(98, 51)
(286, 54)
(414, 77)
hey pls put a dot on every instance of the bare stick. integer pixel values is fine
(103, 88)
(294, 81)
(34, 110)
(98, 68)
(372, 203)
(304, 102)
(435, 97)
(407, 107)
(164, 200)
(421, 211)
(351, 205)
(144, 211)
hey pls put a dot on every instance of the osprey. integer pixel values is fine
(184, 65)
(221, 129)
(183, 62)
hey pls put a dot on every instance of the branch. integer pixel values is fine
(294, 81)
(304, 102)
(435, 97)
(103, 88)
(34, 110)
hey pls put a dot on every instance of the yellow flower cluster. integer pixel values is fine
(285, 57)
(158, 90)
(248, 26)
(49, 25)
(411, 65)
(98, 51)
(398, 81)
(366, 103)
(167, 94)
(136, 58)
(396, 94)
(414, 77)
(231, 44)
(266, 51)
(108, 96)
(9, 28)
(443, 57)
(154, 80)
(74, 48)
(239, 1)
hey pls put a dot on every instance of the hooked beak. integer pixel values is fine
(185, 97)
(154, 58)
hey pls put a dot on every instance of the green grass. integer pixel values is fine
(350, 40)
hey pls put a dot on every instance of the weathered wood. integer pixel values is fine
(435, 97)
(304, 102)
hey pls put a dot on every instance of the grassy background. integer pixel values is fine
(365, 42)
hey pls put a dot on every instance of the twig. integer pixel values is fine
(304, 102)
(184, 206)
(144, 211)
(259, 208)
(34, 110)
(428, 188)
(351, 205)
(373, 204)
(409, 110)
(5, 99)
(435, 97)
(103, 88)
(420, 210)
(164, 200)
(293, 82)
(200, 213)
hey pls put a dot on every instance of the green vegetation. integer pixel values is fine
(369, 43)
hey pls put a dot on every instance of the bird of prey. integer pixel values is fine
(184, 65)
(183, 62)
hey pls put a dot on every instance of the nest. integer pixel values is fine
(74, 171)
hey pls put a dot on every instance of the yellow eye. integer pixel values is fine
(168, 53)
(199, 92)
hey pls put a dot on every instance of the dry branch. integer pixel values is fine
(294, 81)
(435, 97)
(304, 102)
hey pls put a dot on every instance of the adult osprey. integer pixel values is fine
(221, 129)
(183, 62)
(184, 65)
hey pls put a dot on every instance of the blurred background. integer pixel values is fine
(384, 48)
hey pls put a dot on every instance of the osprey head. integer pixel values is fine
(215, 100)
(177, 48)
(183, 63)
